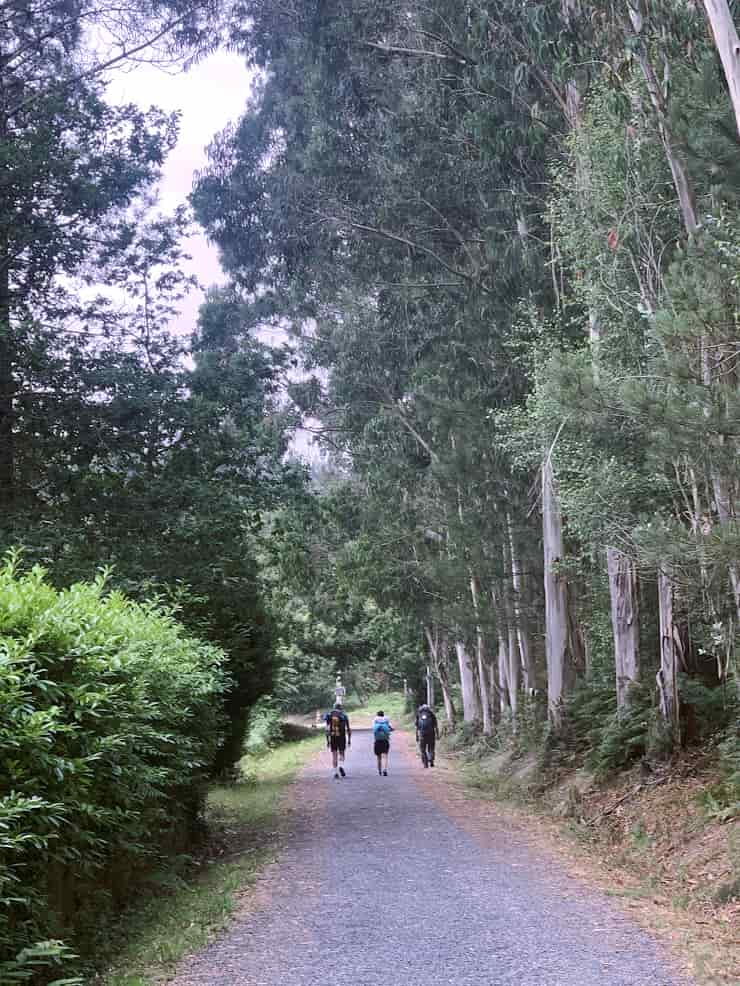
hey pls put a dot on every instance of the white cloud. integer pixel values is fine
(208, 96)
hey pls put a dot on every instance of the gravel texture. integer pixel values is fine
(379, 884)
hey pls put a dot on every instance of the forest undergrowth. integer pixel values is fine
(185, 907)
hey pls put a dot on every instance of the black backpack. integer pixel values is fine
(426, 722)
(336, 723)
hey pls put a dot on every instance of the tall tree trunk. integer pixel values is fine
(430, 687)
(670, 651)
(681, 178)
(438, 655)
(725, 501)
(470, 699)
(480, 654)
(728, 46)
(522, 629)
(514, 674)
(513, 656)
(444, 683)
(625, 622)
(727, 42)
(560, 664)
(7, 388)
(503, 674)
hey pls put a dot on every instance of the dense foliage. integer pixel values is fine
(111, 721)
(504, 242)
(504, 237)
(127, 442)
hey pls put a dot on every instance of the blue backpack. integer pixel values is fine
(381, 730)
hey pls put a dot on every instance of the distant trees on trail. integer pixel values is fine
(506, 237)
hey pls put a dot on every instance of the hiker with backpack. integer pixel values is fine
(427, 733)
(382, 730)
(338, 738)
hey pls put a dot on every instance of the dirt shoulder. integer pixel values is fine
(647, 842)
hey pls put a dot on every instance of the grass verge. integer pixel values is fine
(390, 702)
(185, 909)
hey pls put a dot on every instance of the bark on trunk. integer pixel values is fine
(444, 683)
(503, 674)
(480, 654)
(522, 629)
(728, 46)
(470, 700)
(670, 652)
(7, 387)
(430, 687)
(560, 666)
(681, 178)
(438, 654)
(514, 675)
(725, 501)
(625, 622)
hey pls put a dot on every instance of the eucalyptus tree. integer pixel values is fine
(387, 183)
(719, 14)
(631, 200)
(470, 218)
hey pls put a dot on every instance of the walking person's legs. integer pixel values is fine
(337, 756)
(381, 753)
(423, 744)
(432, 744)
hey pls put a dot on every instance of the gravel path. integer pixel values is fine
(378, 883)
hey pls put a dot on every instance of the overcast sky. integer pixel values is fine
(208, 96)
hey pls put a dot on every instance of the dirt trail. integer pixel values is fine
(380, 881)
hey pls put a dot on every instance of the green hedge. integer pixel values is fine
(109, 722)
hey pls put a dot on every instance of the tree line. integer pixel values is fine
(505, 240)
(137, 464)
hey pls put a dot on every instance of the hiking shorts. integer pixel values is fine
(338, 743)
(381, 746)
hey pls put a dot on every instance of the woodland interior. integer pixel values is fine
(499, 246)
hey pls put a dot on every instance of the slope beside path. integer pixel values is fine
(378, 882)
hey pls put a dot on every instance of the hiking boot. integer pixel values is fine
(431, 763)
(336, 776)
(341, 771)
(385, 773)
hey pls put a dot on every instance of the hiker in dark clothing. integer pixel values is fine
(338, 737)
(427, 733)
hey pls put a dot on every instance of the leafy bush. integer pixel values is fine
(727, 794)
(625, 736)
(465, 734)
(110, 722)
(265, 726)
(305, 681)
(706, 709)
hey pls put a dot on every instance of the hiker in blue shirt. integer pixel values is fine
(382, 730)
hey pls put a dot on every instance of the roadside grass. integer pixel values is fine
(390, 702)
(184, 911)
